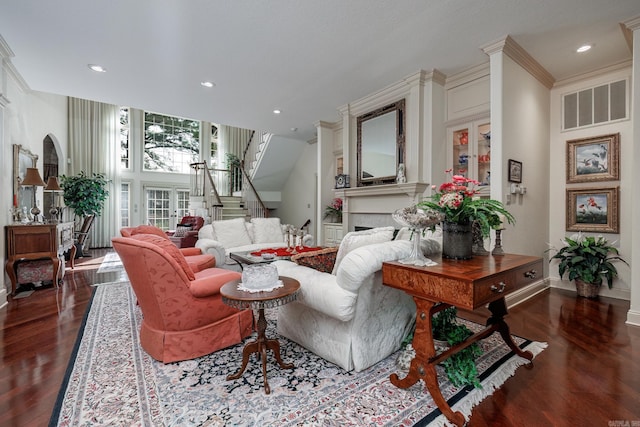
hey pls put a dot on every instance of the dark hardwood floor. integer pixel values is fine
(588, 376)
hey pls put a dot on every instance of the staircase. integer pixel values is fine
(233, 207)
(270, 163)
(237, 192)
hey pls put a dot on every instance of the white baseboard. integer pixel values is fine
(526, 293)
(624, 294)
(633, 318)
(3, 297)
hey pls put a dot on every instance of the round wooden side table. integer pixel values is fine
(259, 301)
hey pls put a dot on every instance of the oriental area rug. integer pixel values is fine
(112, 381)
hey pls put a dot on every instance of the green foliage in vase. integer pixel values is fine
(588, 258)
(85, 194)
(460, 367)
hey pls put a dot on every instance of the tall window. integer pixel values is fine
(158, 209)
(124, 138)
(214, 146)
(171, 144)
(183, 203)
(125, 201)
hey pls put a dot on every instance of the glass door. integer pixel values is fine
(471, 152)
(165, 207)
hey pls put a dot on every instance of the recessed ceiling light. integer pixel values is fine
(207, 84)
(583, 48)
(97, 68)
(277, 111)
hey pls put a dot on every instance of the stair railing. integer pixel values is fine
(252, 201)
(203, 185)
(252, 149)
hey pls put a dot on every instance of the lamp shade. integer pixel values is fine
(52, 184)
(33, 177)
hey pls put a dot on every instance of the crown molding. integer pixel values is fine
(13, 72)
(627, 64)
(5, 50)
(513, 50)
(633, 24)
(470, 74)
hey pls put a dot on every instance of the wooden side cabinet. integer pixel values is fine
(38, 241)
(332, 233)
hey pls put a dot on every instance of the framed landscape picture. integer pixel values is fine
(593, 209)
(593, 159)
(515, 171)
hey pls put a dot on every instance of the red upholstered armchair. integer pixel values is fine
(194, 256)
(184, 316)
(186, 233)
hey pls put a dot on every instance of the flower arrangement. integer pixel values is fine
(458, 200)
(334, 209)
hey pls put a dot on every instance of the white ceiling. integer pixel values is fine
(304, 57)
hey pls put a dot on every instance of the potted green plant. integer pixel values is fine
(587, 260)
(85, 195)
(460, 367)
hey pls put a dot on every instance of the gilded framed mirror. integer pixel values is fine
(380, 144)
(22, 159)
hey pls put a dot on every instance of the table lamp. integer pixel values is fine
(53, 186)
(32, 178)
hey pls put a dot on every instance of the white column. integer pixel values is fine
(633, 316)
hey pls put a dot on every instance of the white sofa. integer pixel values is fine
(349, 317)
(220, 238)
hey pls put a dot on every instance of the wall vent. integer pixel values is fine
(595, 105)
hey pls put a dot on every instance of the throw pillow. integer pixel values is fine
(231, 232)
(267, 230)
(181, 230)
(356, 239)
(170, 248)
(321, 260)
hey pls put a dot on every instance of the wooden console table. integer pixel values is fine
(468, 284)
(38, 241)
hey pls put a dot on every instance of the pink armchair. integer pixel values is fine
(195, 258)
(184, 316)
(186, 239)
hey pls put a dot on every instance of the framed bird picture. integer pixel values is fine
(593, 159)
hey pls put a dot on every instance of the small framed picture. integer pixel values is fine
(593, 159)
(515, 171)
(593, 209)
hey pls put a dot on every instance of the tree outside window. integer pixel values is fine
(124, 138)
(171, 144)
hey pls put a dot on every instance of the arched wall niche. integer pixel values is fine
(51, 166)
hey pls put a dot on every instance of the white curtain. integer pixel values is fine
(94, 148)
(231, 140)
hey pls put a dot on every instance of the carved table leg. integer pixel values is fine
(260, 346)
(498, 310)
(421, 368)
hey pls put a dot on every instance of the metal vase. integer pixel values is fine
(457, 240)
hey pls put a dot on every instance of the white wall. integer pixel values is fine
(299, 192)
(27, 119)
(520, 131)
(557, 179)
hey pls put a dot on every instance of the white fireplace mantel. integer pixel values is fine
(373, 206)
(411, 189)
